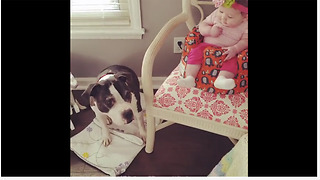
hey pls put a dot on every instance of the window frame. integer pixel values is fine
(132, 31)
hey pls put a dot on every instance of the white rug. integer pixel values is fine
(113, 159)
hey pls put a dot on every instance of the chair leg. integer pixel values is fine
(234, 141)
(151, 130)
(81, 107)
(71, 125)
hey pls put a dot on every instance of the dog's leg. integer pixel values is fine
(106, 136)
(103, 120)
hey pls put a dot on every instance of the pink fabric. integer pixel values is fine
(230, 110)
(196, 57)
(230, 65)
(240, 7)
(196, 54)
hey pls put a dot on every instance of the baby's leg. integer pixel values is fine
(191, 73)
(194, 63)
(226, 75)
(225, 80)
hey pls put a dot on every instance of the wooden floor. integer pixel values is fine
(179, 151)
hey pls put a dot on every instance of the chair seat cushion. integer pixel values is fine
(227, 109)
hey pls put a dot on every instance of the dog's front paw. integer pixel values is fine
(106, 140)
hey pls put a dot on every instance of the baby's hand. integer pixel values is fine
(215, 31)
(231, 52)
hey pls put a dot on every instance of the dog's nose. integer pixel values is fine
(128, 115)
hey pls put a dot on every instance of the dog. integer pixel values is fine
(115, 99)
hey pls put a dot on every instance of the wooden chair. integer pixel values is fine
(223, 114)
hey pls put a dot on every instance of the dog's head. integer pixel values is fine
(113, 97)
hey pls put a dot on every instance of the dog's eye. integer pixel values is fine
(110, 102)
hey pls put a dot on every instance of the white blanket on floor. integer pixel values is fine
(235, 162)
(113, 159)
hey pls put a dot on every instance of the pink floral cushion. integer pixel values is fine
(227, 109)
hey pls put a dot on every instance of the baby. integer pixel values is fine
(226, 27)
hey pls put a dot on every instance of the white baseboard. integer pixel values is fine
(84, 82)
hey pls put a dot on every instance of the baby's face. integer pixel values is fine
(229, 17)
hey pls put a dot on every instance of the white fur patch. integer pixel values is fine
(107, 76)
(115, 113)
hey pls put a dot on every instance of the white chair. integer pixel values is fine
(168, 103)
(74, 104)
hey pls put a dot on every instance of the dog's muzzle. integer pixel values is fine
(128, 115)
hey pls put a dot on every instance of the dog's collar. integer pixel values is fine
(106, 76)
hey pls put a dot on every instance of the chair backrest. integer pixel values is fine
(186, 7)
(185, 16)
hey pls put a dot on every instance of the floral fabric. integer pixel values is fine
(227, 109)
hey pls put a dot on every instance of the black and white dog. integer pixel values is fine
(115, 99)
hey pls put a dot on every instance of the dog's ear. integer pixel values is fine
(89, 92)
(122, 76)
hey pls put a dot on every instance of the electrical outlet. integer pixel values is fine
(178, 44)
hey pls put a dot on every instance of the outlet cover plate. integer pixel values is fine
(178, 44)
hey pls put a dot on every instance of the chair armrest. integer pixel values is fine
(151, 53)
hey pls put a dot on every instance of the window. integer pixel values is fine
(106, 19)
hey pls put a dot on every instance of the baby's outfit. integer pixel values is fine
(228, 37)
(196, 56)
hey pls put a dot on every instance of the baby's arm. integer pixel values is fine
(243, 43)
(207, 27)
(237, 48)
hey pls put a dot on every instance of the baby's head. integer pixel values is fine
(231, 13)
